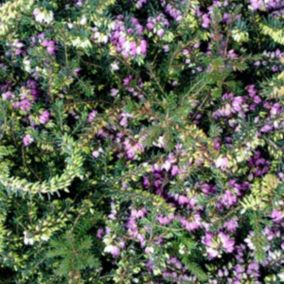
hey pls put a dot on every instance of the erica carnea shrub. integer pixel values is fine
(141, 141)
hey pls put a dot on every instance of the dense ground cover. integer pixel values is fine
(141, 141)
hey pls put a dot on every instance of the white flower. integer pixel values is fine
(149, 250)
(83, 21)
(81, 43)
(27, 65)
(114, 66)
(160, 143)
(281, 276)
(44, 237)
(43, 16)
(28, 240)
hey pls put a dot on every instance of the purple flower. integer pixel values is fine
(259, 166)
(182, 200)
(138, 213)
(228, 199)
(211, 248)
(215, 244)
(253, 268)
(132, 148)
(24, 105)
(207, 188)
(122, 38)
(266, 128)
(276, 109)
(190, 225)
(237, 103)
(100, 233)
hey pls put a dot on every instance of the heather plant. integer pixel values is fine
(141, 141)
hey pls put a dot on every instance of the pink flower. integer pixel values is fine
(114, 92)
(275, 109)
(28, 139)
(228, 199)
(7, 96)
(97, 153)
(143, 47)
(277, 216)
(165, 220)
(182, 200)
(175, 170)
(266, 128)
(114, 250)
(50, 46)
(205, 21)
(227, 242)
(231, 225)
(24, 105)
(44, 117)
(92, 115)
(222, 163)
(100, 233)
(237, 104)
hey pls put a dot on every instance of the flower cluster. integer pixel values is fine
(127, 38)
(141, 141)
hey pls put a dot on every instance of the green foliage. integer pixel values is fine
(72, 254)
(141, 141)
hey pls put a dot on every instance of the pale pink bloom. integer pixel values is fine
(222, 163)
(27, 140)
